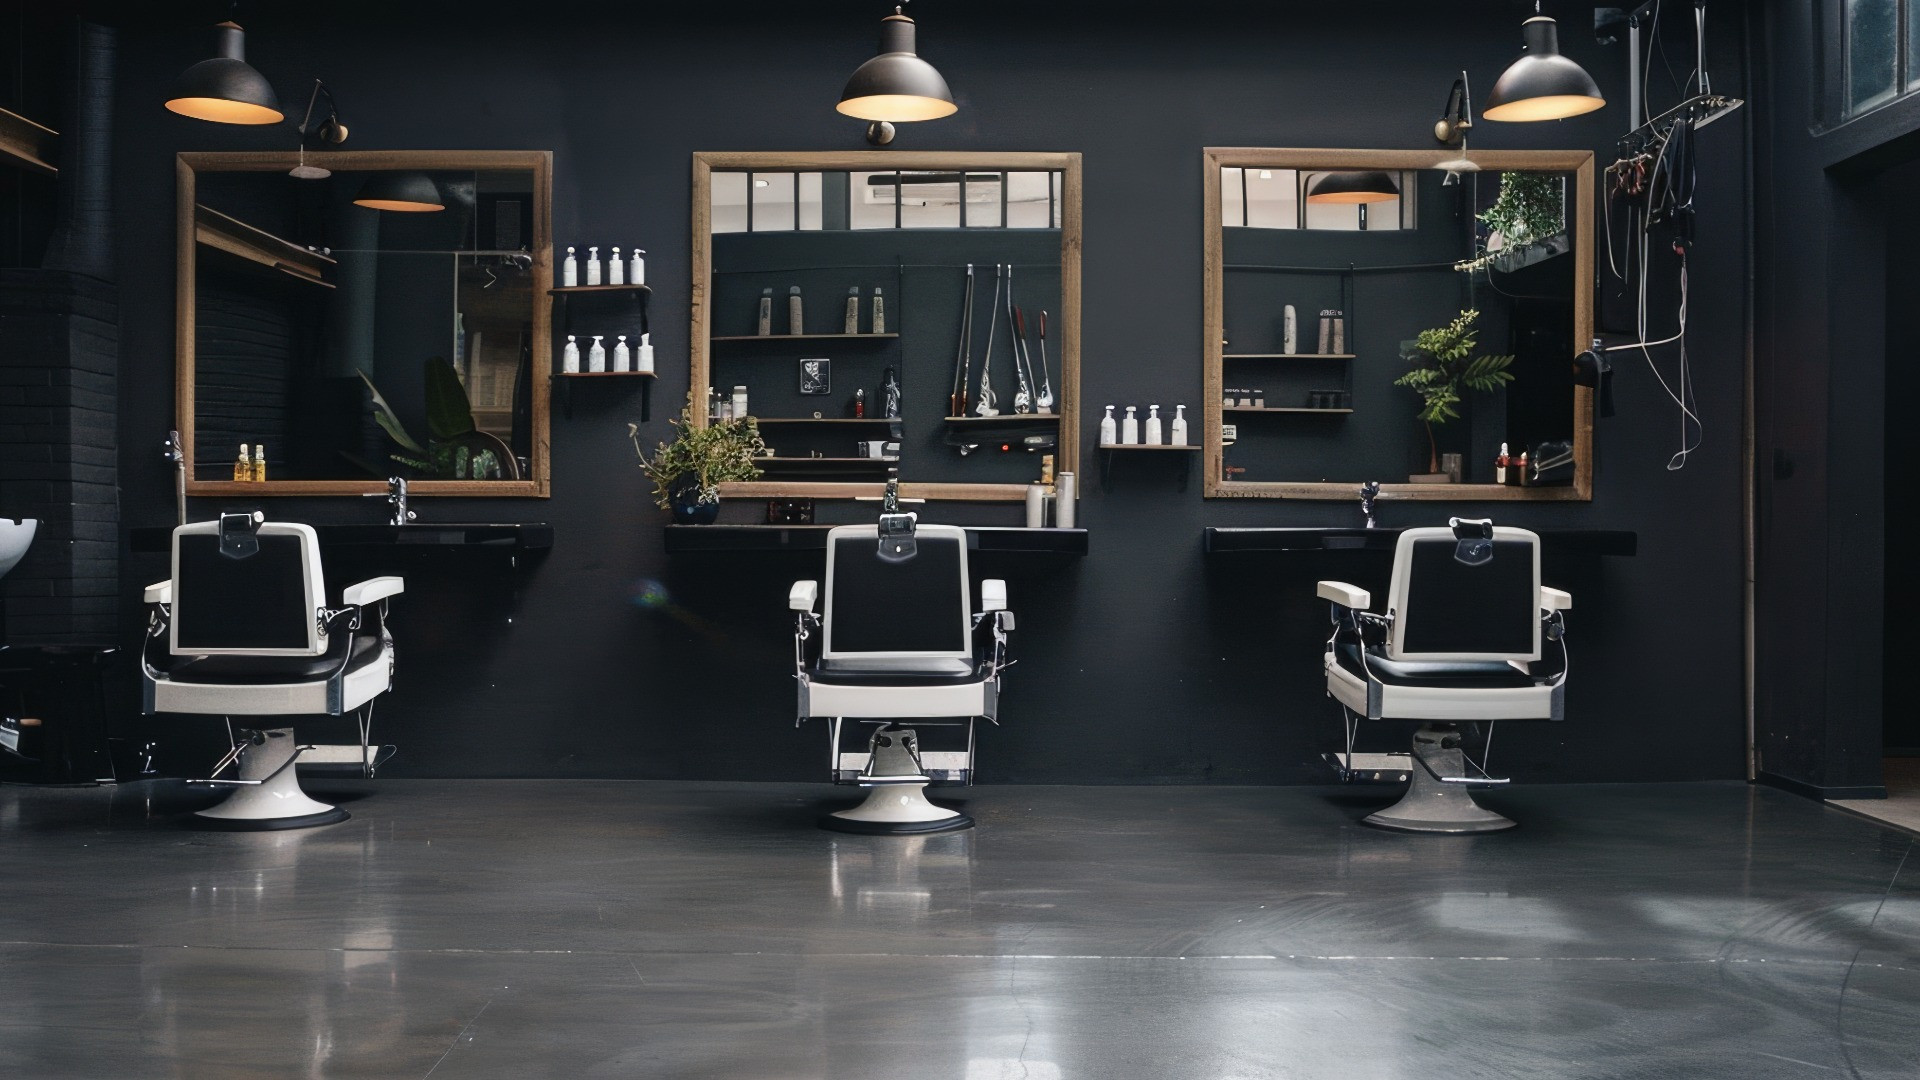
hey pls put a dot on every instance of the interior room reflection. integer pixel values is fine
(365, 325)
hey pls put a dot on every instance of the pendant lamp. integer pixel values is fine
(226, 89)
(400, 192)
(1349, 188)
(1542, 84)
(895, 86)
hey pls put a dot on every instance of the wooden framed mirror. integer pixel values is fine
(389, 318)
(839, 226)
(1369, 248)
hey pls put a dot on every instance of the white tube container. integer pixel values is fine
(597, 355)
(570, 356)
(1036, 506)
(1065, 491)
(622, 357)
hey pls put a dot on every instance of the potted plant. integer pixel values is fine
(1527, 211)
(687, 472)
(1444, 366)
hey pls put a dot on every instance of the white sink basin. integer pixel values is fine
(15, 536)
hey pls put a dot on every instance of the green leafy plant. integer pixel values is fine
(1444, 366)
(703, 457)
(455, 449)
(1527, 209)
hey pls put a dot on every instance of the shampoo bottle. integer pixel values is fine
(570, 270)
(1109, 429)
(1153, 425)
(740, 411)
(637, 268)
(852, 324)
(879, 312)
(597, 355)
(766, 313)
(259, 463)
(795, 323)
(616, 270)
(1500, 464)
(622, 356)
(643, 360)
(243, 466)
(1130, 429)
(570, 356)
(593, 266)
(1179, 426)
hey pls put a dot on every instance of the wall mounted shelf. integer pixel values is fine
(259, 247)
(1107, 450)
(566, 290)
(804, 337)
(26, 144)
(1273, 409)
(1264, 540)
(765, 420)
(520, 536)
(1286, 356)
(715, 539)
(1017, 418)
(564, 294)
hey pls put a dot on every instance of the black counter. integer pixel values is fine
(515, 536)
(689, 539)
(1235, 540)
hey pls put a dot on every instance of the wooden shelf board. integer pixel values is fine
(1002, 418)
(1257, 408)
(1146, 446)
(875, 462)
(1286, 356)
(223, 232)
(26, 143)
(606, 374)
(802, 337)
(565, 290)
(826, 420)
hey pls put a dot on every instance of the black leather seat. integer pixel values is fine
(1452, 675)
(917, 671)
(266, 670)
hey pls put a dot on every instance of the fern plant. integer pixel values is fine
(1443, 367)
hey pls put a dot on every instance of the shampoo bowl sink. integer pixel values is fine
(15, 537)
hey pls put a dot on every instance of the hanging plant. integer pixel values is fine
(1528, 209)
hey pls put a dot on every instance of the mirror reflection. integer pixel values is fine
(366, 324)
(1396, 325)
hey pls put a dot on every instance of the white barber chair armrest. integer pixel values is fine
(1552, 599)
(160, 592)
(1347, 596)
(804, 596)
(372, 590)
(993, 595)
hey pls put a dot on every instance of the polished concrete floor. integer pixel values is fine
(585, 930)
(1902, 805)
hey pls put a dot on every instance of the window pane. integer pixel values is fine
(1873, 41)
(1233, 198)
(1272, 198)
(872, 195)
(1029, 200)
(812, 216)
(772, 202)
(932, 200)
(729, 202)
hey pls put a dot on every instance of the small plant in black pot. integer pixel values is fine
(687, 472)
(1443, 368)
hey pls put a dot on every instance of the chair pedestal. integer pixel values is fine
(1432, 805)
(897, 808)
(276, 802)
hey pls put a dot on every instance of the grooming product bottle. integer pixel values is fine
(570, 356)
(643, 359)
(637, 268)
(879, 312)
(259, 463)
(616, 270)
(1339, 331)
(1130, 429)
(1500, 464)
(1065, 492)
(593, 266)
(570, 270)
(1179, 426)
(1290, 332)
(243, 466)
(597, 355)
(1153, 425)
(1326, 330)
(740, 411)
(860, 404)
(622, 357)
(766, 312)
(796, 324)
(890, 395)
(1108, 428)
(1036, 506)
(852, 325)
(713, 405)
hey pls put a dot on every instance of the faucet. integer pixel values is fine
(396, 497)
(1369, 491)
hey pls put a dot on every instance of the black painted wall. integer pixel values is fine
(1142, 663)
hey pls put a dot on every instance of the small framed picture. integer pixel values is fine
(816, 376)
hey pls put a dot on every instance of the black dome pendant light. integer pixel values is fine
(226, 89)
(400, 192)
(1542, 84)
(1351, 188)
(896, 86)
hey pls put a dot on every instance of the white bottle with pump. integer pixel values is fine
(616, 270)
(1179, 426)
(637, 268)
(1153, 426)
(593, 266)
(597, 356)
(1109, 430)
(570, 356)
(570, 271)
(622, 357)
(643, 359)
(1130, 429)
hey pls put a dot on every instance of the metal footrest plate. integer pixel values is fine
(1368, 768)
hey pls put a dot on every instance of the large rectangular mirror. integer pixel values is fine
(388, 317)
(1375, 316)
(872, 250)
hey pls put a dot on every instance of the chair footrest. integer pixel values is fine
(1384, 768)
(345, 759)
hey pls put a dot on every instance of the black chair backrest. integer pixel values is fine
(914, 608)
(1447, 608)
(264, 603)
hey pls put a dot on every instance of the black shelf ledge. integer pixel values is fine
(1226, 540)
(693, 539)
(518, 536)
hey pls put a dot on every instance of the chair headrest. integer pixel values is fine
(240, 534)
(897, 544)
(1473, 540)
